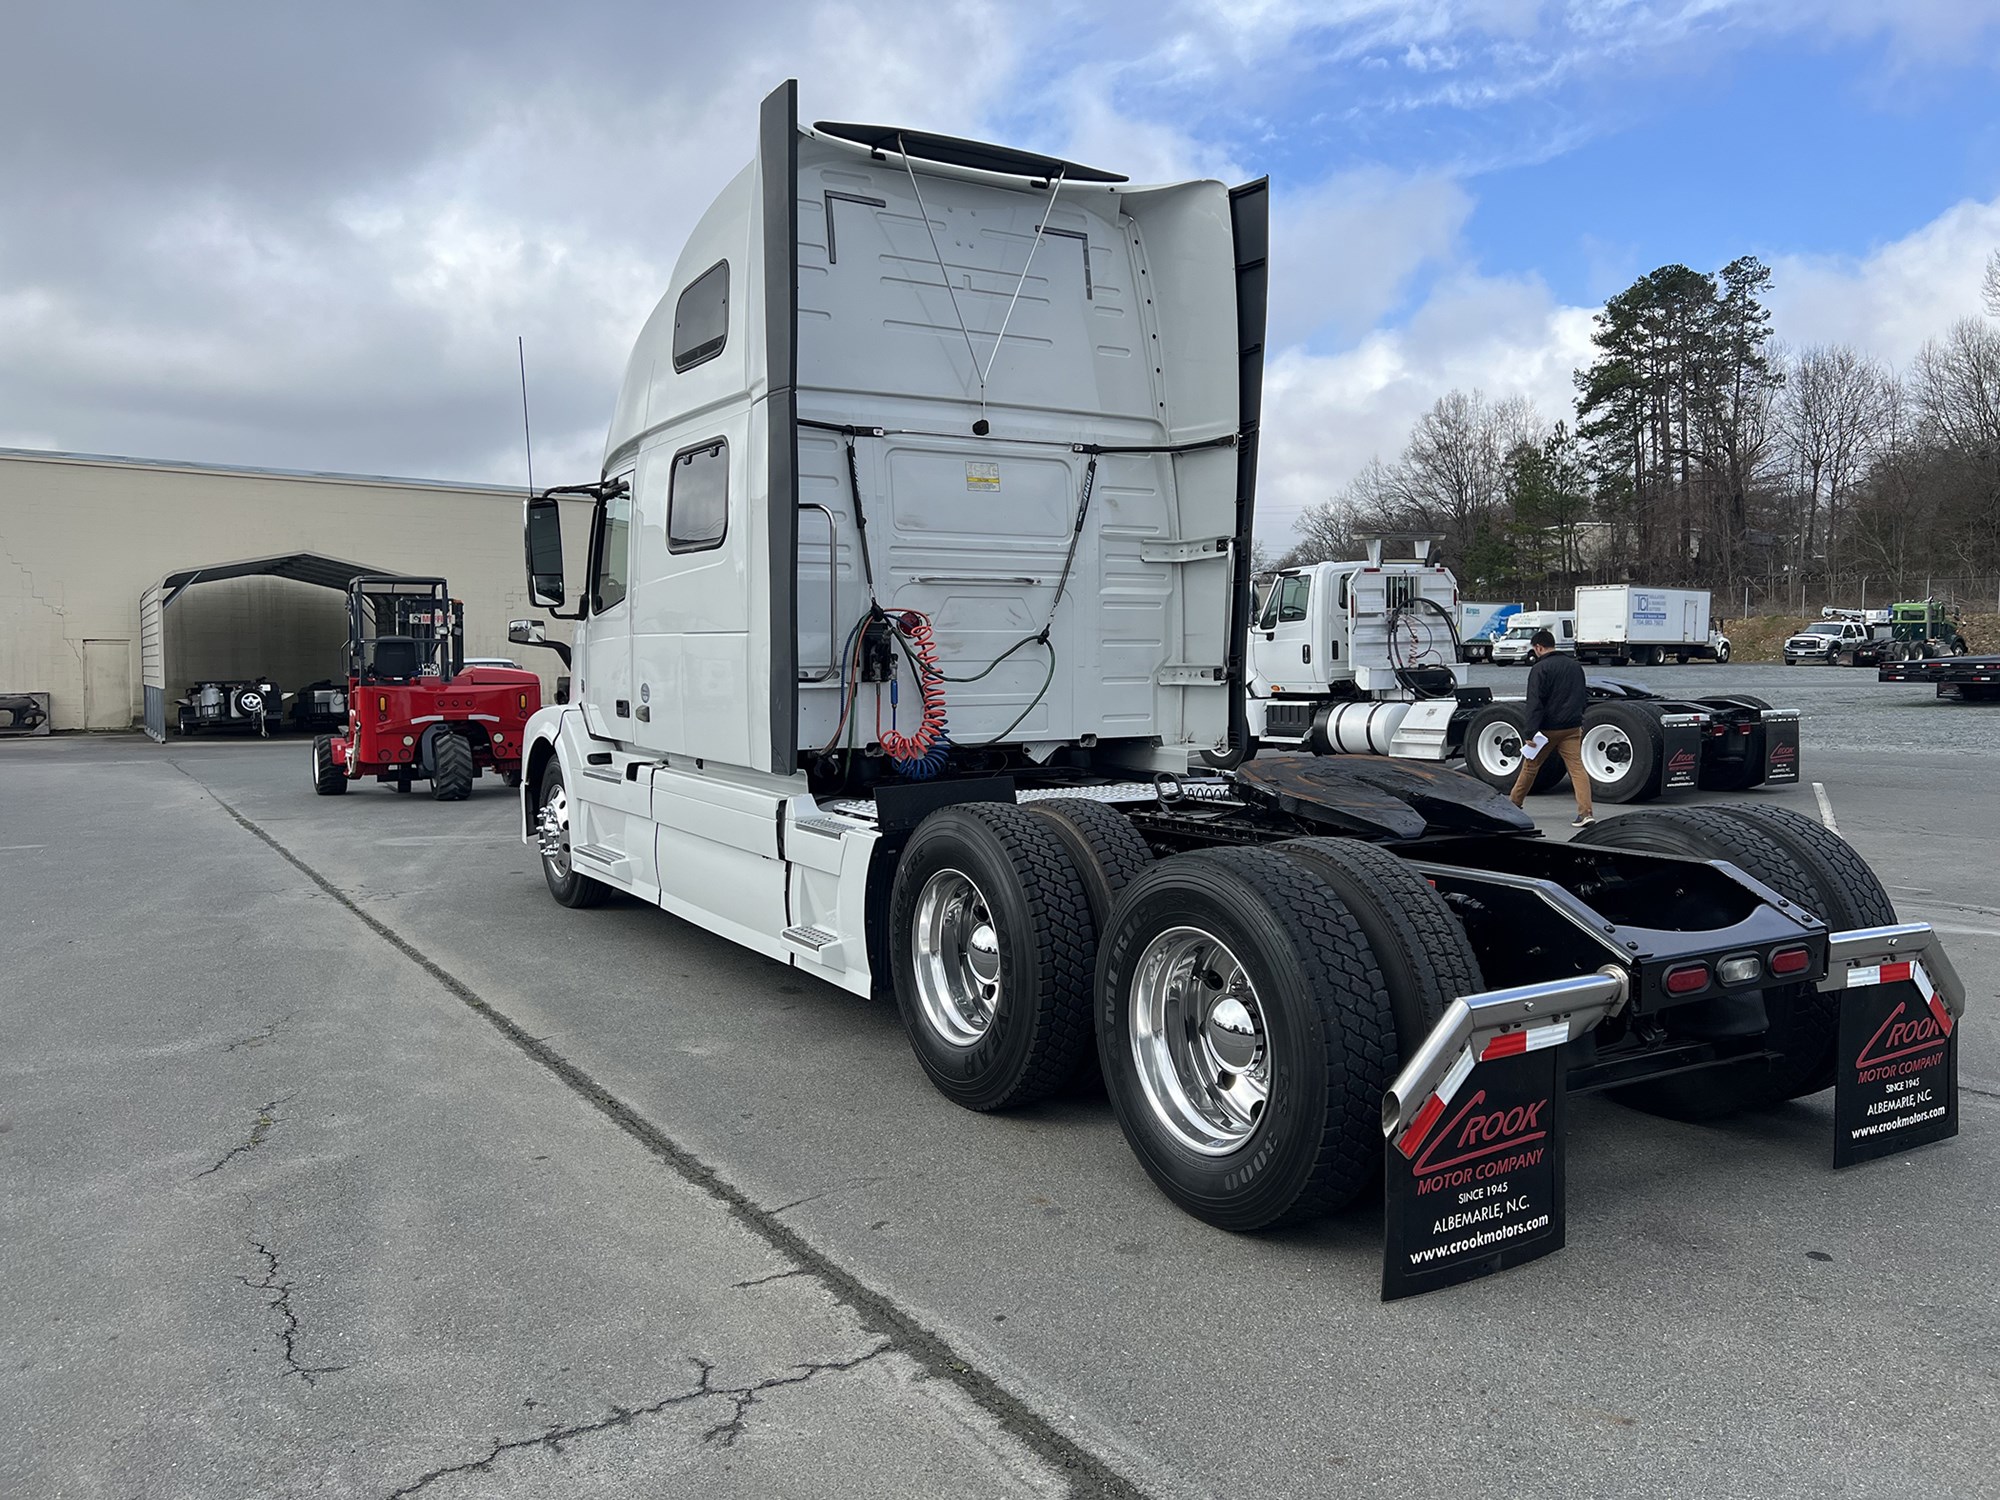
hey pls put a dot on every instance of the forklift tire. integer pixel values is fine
(1804, 1026)
(329, 780)
(452, 769)
(1103, 845)
(566, 884)
(1488, 738)
(992, 947)
(1293, 998)
(1623, 751)
(1426, 960)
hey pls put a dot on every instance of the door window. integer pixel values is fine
(698, 498)
(1293, 592)
(614, 555)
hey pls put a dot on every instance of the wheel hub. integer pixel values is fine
(1199, 1039)
(552, 831)
(956, 952)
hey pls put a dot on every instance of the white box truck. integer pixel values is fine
(1620, 623)
(1514, 645)
(918, 583)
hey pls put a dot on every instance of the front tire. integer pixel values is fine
(1244, 747)
(992, 950)
(329, 780)
(1722, 655)
(1246, 1037)
(1493, 750)
(552, 825)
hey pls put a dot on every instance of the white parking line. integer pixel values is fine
(20, 848)
(1825, 807)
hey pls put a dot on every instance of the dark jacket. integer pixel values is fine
(1556, 693)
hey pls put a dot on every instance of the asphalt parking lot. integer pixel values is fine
(341, 1160)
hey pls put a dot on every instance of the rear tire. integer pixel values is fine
(1488, 738)
(451, 768)
(328, 779)
(1623, 750)
(1426, 960)
(553, 825)
(1264, 1109)
(1103, 845)
(993, 947)
(1804, 1025)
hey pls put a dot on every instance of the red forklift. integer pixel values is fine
(414, 708)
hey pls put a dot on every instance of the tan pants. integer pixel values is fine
(1568, 743)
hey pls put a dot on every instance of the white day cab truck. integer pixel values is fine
(1361, 658)
(1618, 623)
(917, 587)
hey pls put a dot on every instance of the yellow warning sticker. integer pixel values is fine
(982, 476)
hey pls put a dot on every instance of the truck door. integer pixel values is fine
(1692, 624)
(1283, 650)
(604, 666)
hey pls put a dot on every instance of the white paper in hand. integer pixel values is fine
(1534, 747)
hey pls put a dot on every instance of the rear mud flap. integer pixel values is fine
(1472, 1134)
(1781, 746)
(1898, 1081)
(1474, 1184)
(1680, 751)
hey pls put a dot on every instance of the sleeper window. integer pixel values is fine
(701, 318)
(698, 498)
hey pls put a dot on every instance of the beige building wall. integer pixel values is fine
(81, 538)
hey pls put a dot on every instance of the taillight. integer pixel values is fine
(1786, 961)
(1688, 979)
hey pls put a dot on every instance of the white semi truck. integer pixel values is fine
(917, 587)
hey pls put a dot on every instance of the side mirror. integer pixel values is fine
(545, 552)
(527, 632)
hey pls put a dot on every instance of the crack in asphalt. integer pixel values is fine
(774, 1276)
(267, 1116)
(269, 1033)
(722, 1435)
(282, 1301)
(842, 1187)
(1089, 1477)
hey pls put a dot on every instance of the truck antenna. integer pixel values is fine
(527, 438)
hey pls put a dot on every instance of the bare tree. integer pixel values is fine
(1831, 414)
(1989, 286)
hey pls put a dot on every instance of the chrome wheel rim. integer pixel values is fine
(553, 830)
(1200, 1041)
(1607, 752)
(956, 947)
(1499, 748)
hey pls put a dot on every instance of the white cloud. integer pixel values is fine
(1342, 252)
(1887, 303)
(1325, 416)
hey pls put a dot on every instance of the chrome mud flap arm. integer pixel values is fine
(1896, 1079)
(1472, 1133)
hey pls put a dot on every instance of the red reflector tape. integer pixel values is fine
(1532, 1039)
(1413, 1138)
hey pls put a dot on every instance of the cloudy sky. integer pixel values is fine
(307, 236)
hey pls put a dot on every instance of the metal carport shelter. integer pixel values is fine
(300, 567)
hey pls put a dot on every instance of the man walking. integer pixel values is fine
(1556, 696)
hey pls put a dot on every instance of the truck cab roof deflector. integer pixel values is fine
(954, 151)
